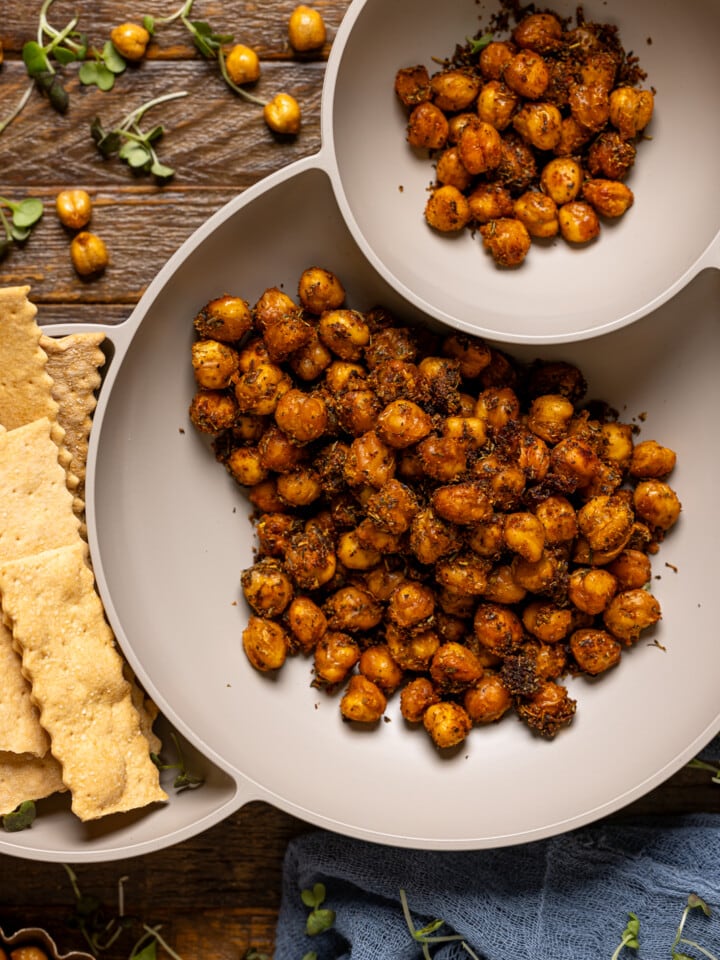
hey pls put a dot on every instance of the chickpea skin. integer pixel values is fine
(89, 254)
(527, 74)
(130, 40)
(629, 613)
(562, 179)
(578, 222)
(447, 723)
(447, 209)
(538, 213)
(657, 504)
(282, 114)
(265, 644)
(363, 701)
(320, 290)
(242, 64)
(74, 208)
(403, 423)
(508, 241)
(306, 29)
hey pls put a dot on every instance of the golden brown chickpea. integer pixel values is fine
(341, 375)
(487, 700)
(610, 157)
(543, 576)
(320, 290)
(533, 455)
(480, 146)
(502, 586)
(443, 458)
(416, 697)
(363, 701)
(302, 416)
(427, 127)
(610, 198)
(464, 574)
(527, 74)
(252, 355)
(393, 506)
(278, 452)
(344, 332)
(498, 628)
(412, 606)
(573, 137)
(578, 222)
(225, 318)
(599, 69)
(242, 64)
(589, 105)
(559, 519)
(549, 417)
(381, 582)
(524, 535)
(306, 29)
(450, 170)
(539, 124)
(130, 40)
(606, 522)
(249, 427)
(469, 430)
(471, 354)
(369, 461)
(462, 503)
(630, 110)
(376, 663)
(336, 654)
(616, 444)
(494, 58)
(89, 254)
(266, 587)
(372, 536)
(282, 114)
(354, 554)
(259, 390)
(574, 460)
(29, 952)
(538, 213)
(487, 538)
(629, 613)
(456, 124)
(299, 487)
(357, 410)
(310, 559)
(541, 32)
(507, 239)
(454, 90)
(595, 651)
(503, 482)
(214, 364)
(591, 589)
(274, 531)
(548, 710)
(447, 209)
(74, 208)
(447, 723)
(212, 411)
(454, 667)
(264, 497)
(497, 406)
(547, 621)
(311, 360)
(286, 335)
(431, 537)
(631, 569)
(562, 179)
(656, 504)
(265, 643)
(412, 85)
(411, 651)
(651, 460)
(517, 169)
(496, 104)
(351, 608)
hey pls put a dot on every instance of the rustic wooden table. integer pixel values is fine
(216, 895)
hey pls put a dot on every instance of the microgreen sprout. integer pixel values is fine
(694, 902)
(21, 818)
(103, 68)
(320, 918)
(25, 214)
(478, 44)
(62, 46)
(425, 936)
(704, 765)
(133, 145)
(184, 779)
(630, 936)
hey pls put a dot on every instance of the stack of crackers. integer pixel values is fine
(72, 716)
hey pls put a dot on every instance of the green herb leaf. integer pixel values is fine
(28, 212)
(694, 902)
(35, 59)
(93, 72)
(154, 134)
(479, 43)
(136, 156)
(51, 84)
(149, 23)
(65, 56)
(112, 59)
(319, 921)
(21, 818)
(148, 952)
(205, 40)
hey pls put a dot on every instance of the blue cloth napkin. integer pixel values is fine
(564, 898)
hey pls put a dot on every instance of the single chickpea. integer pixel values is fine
(415, 698)
(74, 208)
(447, 723)
(508, 241)
(319, 290)
(242, 64)
(282, 114)
(130, 40)
(656, 504)
(538, 213)
(651, 459)
(488, 699)
(578, 222)
(306, 29)
(245, 466)
(562, 179)
(591, 589)
(376, 663)
(363, 701)
(214, 364)
(89, 254)
(265, 643)
(610, 198)
(524, 535)
(344, 332)
(427, 127)
(447, 209)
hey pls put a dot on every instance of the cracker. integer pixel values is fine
(147, 710)
(85, 702)
(20, 730)
(27, 778)
(73, 363)
(36, 507)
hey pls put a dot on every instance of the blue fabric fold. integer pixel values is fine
(566, 898)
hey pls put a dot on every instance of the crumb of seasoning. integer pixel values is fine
(181, 429)
(671, 566)
(401, 188)
(234, 603)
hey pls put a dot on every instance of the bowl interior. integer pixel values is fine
(171, 535)
(559, 293)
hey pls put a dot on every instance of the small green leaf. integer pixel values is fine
(64, 56)
(34, 58)
(112, 59)
(28, 212)
(94, 72)
(308, 898)
(87, 73)
(319, 921)
(694, 901)
(149, 24)
(135, 155)
(21, 818)
(479, 43)
(51, 84)
(152, 135)
(148, 952)
(81, 42)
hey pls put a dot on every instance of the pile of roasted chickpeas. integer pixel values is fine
(433, 519)
(533, 137)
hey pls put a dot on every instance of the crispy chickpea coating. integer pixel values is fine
(454, 90)
(214, 364)
(264, 496)
(381, 581)
(548, 710)
(609, 198)
(630, 110)
(393, 506)
(629, 613)
(616, 443)
(559, 519)
(631, 569)
(503, 482)
(465, 574)
(403, 423)
(545, 576)
(549, 417)
(591, 589)
(306, 29)
(494, 58)
(278, 451)
(533, 455)
(610, 157)
(258, 390)
(412, 85)
(547, 621)
(575, 460)
(225, 318)
(538, 214)
(302, 416)
(431, 537)
(507, 239)
(589, 105)
(369, 461)
(411, 651)
(450, 170)
(310, 559)
(480, 146)
(595, 651)
(471, 431)
(527, 74)
(487, 538)
(578, 222)
(427, 127)
(357, 410)
(498, 628)
(376, 663)
(74, 208)
(657, 504)
(447, 209)
(562, 179)
(502, 587)
(354, 554)
(524, 535)
(282, 114)
(274, 531)
(606, 522)
(497, 406)
(490, 201)
(447, 723)
(299, 487)
(517, 169)
(539, 124)
(265, 643)
(266, 587)
(454, 667)
(89, 254)
(412, 606)
(311, 360)
(344, 332)
(443, 458)
(541, 32)
(320, 290)
(244, 464)
(242, 64)
(336, 653)
(416, 697)
(462, 503)
(488, 700)
(651, 460)
(496, 104)
(363, 701)
(352, 609)
(212, 411)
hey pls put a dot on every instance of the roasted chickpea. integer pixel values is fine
(242, 64)
(591, 589)
(490, 201)
(282, 114)
(373, 536)
(469, 430)
(533, 455)
(578, 222)
(274, 531)
(631, 569)
(265, 643)
(310, 559)
(538, 214)
(354, 554)
(74, 208)
(657, 504)
(381, 582)
(616, 441)
(539, 124)
(320, 290)
(252, 354)
(427, 127)
(412, 85)
(541, 32)
(363, 701)
(306, 29)
(411, 651)
(589, 105)
(259, 390)
(454, 667)
(454, 90)
(610, 157)
(610, 198)
(527, 74)
(497, 406)
(214, 364)
(507, 239)
(311, 360)
(278, 452)
(462, 503)
(352, 609)
(498, 628)
(393, 506)
(447, 209)
(480, 146)
(447, 723)
(558, 518)
(487, 538)
(130, 40)
(450, 170)
(502, 587)
(517, 169)
(547, 621)
(562, 179)
(302, 416)
(488, 699)
(369, 461)
(264, 497)
(629, 613)
(575, 460)
(549, 417)
(651, 460)
(376, 663)
(503, 482)
(431, 537)
(630, 110)
(548, 710)
(299, 487)
(443, 458)
(225, 318)
(524, 535)
(336, 654)
(412, 606)
(494, 58)
(595, 651)
(89, 254)
(496, 104)
(606, 522)
(266, 587)
(416, 697)
(465, 574)
(344, 332)
(212, 411)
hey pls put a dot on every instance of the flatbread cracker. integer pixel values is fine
(27, 778)
(20, 730)
(85, 702)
